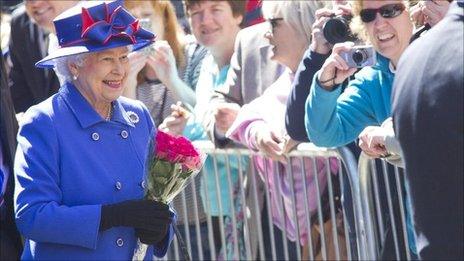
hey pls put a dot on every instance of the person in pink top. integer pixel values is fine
(260, 125)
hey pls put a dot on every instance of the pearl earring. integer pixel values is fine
(74, 77)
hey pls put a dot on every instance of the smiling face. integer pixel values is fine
(102, 75)
(42, 12)
(213, 23)
(389, 36)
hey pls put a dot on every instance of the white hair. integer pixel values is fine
(300, 14)
(62, 66)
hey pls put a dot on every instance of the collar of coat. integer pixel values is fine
(85, 113)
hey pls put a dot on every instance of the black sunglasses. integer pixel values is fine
(273, 21)
(386, 11)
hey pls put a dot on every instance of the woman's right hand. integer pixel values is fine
(335, 70)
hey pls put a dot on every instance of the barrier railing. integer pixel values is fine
(308, 207)
(382, 190)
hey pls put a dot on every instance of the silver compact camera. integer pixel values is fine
(146, 24)
(360, 56)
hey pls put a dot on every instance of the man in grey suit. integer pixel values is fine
(428, 120)
(251, 72)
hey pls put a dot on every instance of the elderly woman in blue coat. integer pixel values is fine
(81, 156)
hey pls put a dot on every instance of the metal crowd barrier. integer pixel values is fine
(382, 190)
(335, 228)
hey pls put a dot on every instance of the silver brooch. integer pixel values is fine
(133, 117)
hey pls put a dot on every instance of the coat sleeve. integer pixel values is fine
(40, 214)
(294, 117)
(333, 118)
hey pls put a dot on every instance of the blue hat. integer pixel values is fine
(94, 26)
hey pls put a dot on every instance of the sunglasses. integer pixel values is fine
(273, 21)
(386, 11)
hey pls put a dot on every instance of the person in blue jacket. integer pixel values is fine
(334, 118)
(79, 166)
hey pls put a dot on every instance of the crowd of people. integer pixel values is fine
(85, 85)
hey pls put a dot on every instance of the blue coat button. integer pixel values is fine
(124, 134)
(119, 242)
(118, 185)
(95, 136)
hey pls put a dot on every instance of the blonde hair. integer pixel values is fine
(358, 27)
(173, 33)
(300, 14)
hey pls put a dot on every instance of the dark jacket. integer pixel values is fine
(428, 118)
(10, 241)
(294, 117)
(28, 44)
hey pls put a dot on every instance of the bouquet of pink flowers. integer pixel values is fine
(171, 164)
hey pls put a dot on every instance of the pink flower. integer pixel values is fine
(177, 150)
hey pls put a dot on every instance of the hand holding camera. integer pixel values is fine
(336, 29)
(328, 27)
(335, 69)
(360, 56)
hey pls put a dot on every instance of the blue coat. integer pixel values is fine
(69, 163)
(334, 118)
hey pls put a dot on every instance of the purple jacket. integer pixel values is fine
(268, 111)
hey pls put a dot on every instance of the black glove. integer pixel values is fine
(140, 214)
(149, 237)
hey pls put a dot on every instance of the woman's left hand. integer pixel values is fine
(163, 62)
(372, 141)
